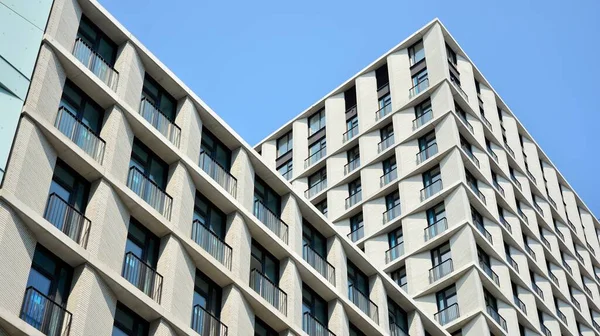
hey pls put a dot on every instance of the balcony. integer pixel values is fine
(560, 234)
(545, 330)
(499, 188)
(530, 252)
(586, 243)
(471, 156)
(479, 194)
(426, 153)
(571, 226)
(491, 274)
(319, 263)
(357, 234)
(447, 314)
(506, 224)
(538, 208)
(313, 327)
(271, 221)
(394, 252)
(351, 166)
(385, 143)
(211, 243)
(520, 304)
(382, 112)
(363, 303)
(509, 150)
(422, 119)
(430, 190)
(516, 182)
(512, 263)
(551, 201)
(391, 213)
(553, 278)
(142, 276)
(497, 317)
(353, 199)
(483, 231)
(218, 173)
(396, 330)
(316, 156)
(388, 177)
(588, 291)
(315, 188)
(492, 154)
(93, 61)
(562, 316)
(67, 219)
(487, 122)
(441, 270)
(150, 192)
(268, 291)
(351, 133)
(538, 290)
(436, 228)
(205, 323)
(522, 215)
(160, 121)
(288, 174)
(580, 257)
(459, 89)
(575, 303)
(545, 241)
(78, 132)
(567, 267)
(45, 315)
(420, 87)
(531, 176)
(596, 325)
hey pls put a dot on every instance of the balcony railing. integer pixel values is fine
(471, 156)
(487, 122)
(268, 291)
(391, 213)
(551, 201)
(538, 208)
(288, 174)
(530, 252)
(349, 134)
(512, 262)
(562, 316)
(67, 219)
(426, 153)
(509, 150)
(353, 199)
(211, 243)
(382, 112)
(150, 192)
(569, 269)
(460, 89)
(499, 188)
(93, 61)
(394, 252)
(546, 242)
(316, 156)
(466, 122)
(523, 216)
(587, 290)
(520, 304)
(363, 303)
(590, 248)
(436, 228)
(313, 327)
(142, 276)
(357, 234)
(492, 154)
(447, 314)
(516, 182)
(571, 225)
(441, 270)
(44, 314)
(531, 176)
(506, 224)
(219, 173)
(206, 324)
(420, 87)
(596, 325)
(538, 290)
(497, 317)
(576, 303)
(388, 177)
(553, 277)
(396, 330)
(319, 263)
(385, 143)
(351, 166)
(430, 190)
(490, 273)
(422, 119)
(560, 234)
(545, 330)
(315, 188)
(160, 121)
(271, 221)
(81, 134)
(479, 194)
(483, 231)
(580, 257)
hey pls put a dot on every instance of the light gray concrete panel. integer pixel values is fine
(242, 170)
(183, 191)
(291, 283)
(239, 238)
(131, 75)
(64, 22)
(190, 123)
(366, 99)
(236, 313)
(119, 142)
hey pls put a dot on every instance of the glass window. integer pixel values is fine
(436, 213)
(446, 297)
(387, 131)
(317, 178)
(82, 108)
(286, 169)
(314, 239)
(214, 148)
(354, 187)
(389, 165)
(264, 262)
(397, 315)
(70, 186)
(392, 200)
(354, 331)
(357, 279)
(317, 147)
(477, 218)
(419, 78)
(149, 164)
(142, 243)
(423, 108)
(416, 53)
(490, 300)
(471, 180)
(353, 154)
(483, 257)
(351, 123)
(427, 140)
(451, 55)
(432, 176)
(316, 122)
(396, 237)
(207, 295)
(385, 101)
(314, 305)
(356, 222)
(263, 329)
(97, 41)
(267, 196)
(399, 276)
(159, 97)
(128, 323)
(209, 216)
(285, 144)
(51, 277)
(440, 254)
(322, 206)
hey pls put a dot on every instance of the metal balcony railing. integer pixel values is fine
(357, 234)
(576, 303)
(150, 192)
(483, 231)
(319, 263)
(497, 317)
(571, 225)
(268, 291)
(490, 273)
(420, 87)
(538, 208)
(207, 324)
(471, 156)
(523, 216)
(391, 213)
(506, 224)
(596, 325)
(394, 252)
(447, 314)
(350, 166)
(426, 153)
(551, 201)
(288, 174)
(142, 276)
(396, 330)
(271, 221)
(388, 177)
(211, 243)
(316, 156)
(499, 188)
(538, 290)
(93, 61)
(509, 150)
(569, 269)
(45, 315)
(81, 134)
(580, 257)
(586, 243)
(382, 112)
(561, 316)
(353, 199)
(492, 154)
(560, 234)
(218, 173)
(422, 119)
(512, 262)
(441, 270)
(530, 252)
(436, 228)
(553, 277)
(460, 89)
(466, 122)
(363, 303)
(487, 122)
(430, 190)
(545, 330)
(160, 121)
(315, 188)
(520, 304)
(67, 219)
(385, 143)
(479, 194)
(546, 242)
(516, 182)
(531, 176)
(349, 134)
(313, 327)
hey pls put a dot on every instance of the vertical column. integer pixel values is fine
(366, 99)
(292, 216)
(188, 119)
(337, 257)
(300, 142)
(469, 292)
(242, 170)
(131, 75)
(183, 190)
(64, 22)
(379, 297)
(236, 313)
(338, 320)
(477, 326)
(335, 118)
(268, 151)
(291, 284)
(160, 327)
(119, 141)
(435, 54)
(399, 74)
(240, 239)
(376, 248)
(415, 324)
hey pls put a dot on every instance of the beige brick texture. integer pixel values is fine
(64, 22)
(131, 75)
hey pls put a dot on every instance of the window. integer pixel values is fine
(385, 101)
(318, 177)
(264, 262)
(436, 214)
(386, 132)
(285, 144)
(382, 76)
(392, 200)
(316, 122)
(314, 239)
(427, 140)
(141, 243)
(432, 176)
(267, 196)
(354, 331)
(389, 165)
(395, 238)
(483, 257)
(490, 300)
(71, 187)
(440, 254)
(91, 35)
(451, 55)
(128, 323)
(476, 216)
(159, 97)
(207, 295)
(50, 276)
(357, 280)
(471, 180)
(317, 147)
(423, 108)
(398, 317)
(215, 149)
(399, 276)
(322, 206)
(416, 53)
(351, 124)
(353, 154)
(263, 329)
(356, 222)
(149, 164)
(83, 109)
(314, 305)
(477, 87)
(286, 169)
(466, 145)
(354, 187)
(209, 216)
(418, 79)
(446, 297)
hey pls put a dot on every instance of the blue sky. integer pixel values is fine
(260, 63)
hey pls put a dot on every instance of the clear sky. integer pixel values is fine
(260, 63)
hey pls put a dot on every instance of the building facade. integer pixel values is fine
(128, 207)
(424, 167)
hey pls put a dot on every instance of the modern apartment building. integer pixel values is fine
(128, 207)
(425, 168)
